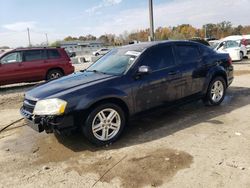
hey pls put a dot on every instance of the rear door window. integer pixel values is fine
(159, 57)
(187, 54)
(33, 55)
(53, 54)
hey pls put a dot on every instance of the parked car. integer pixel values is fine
(236, 50)
(70, 53)
(200, 40)
(102, 51)
(247, 41)
(124, 82)
(34, 64)
(241, 39)
(210, 38)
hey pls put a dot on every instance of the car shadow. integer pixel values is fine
(245, 61)
(164, 121)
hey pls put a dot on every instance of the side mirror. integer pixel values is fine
(144, 70)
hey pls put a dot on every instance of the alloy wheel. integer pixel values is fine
(217, 91)
(55, 75)
(106, 124)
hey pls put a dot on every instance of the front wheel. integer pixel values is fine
(216, 92)
(104, 124)
(241, 56)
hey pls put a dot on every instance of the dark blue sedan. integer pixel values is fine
(124, 82)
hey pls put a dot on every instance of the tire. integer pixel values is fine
(102, 131)
(216, 92)
(97, 54)
(241, 56)
(54, 74)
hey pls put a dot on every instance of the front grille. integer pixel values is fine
(29, 105)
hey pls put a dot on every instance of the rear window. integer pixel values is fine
(205, 51)
(187, 54)
(33, 55)
(53, 54)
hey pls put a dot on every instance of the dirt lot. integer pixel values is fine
(188, 146)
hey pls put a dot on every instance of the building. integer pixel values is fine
(81, 47)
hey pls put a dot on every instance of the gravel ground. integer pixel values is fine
(188, 146)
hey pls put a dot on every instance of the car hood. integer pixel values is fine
(68, 82)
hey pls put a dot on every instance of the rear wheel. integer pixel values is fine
(241, 56)
(54, 74)
(216, 92)
(104, 124)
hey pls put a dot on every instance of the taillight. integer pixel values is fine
(230, 61)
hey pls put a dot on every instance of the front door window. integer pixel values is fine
(14, 57)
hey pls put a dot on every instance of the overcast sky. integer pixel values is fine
(60, 18)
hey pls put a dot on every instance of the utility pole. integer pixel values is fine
(205, 31)
(29, 36)
(47, 40)
(151, 18)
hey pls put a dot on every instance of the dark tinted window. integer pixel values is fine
(32, 55)
(187, 54)
(159, 58)
(53, 54)
(205, 51)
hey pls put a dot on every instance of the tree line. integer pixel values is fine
(183, 31)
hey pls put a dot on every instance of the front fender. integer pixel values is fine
(96, 96)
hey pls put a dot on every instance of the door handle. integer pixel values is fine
(173, 72)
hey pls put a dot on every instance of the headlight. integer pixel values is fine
(50, 107)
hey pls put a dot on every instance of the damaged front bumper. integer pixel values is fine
(49, 124)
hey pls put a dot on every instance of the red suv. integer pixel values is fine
(34, 64)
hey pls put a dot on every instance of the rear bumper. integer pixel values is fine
(230, 75)
(49, 124)
(230, 81)
(69, 69)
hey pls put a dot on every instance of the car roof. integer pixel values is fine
(33, 48)
(145, 45)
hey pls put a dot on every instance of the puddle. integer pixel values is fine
(136, 170)
(61, 148)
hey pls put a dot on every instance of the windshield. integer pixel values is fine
(214, 44)
(116, 62)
